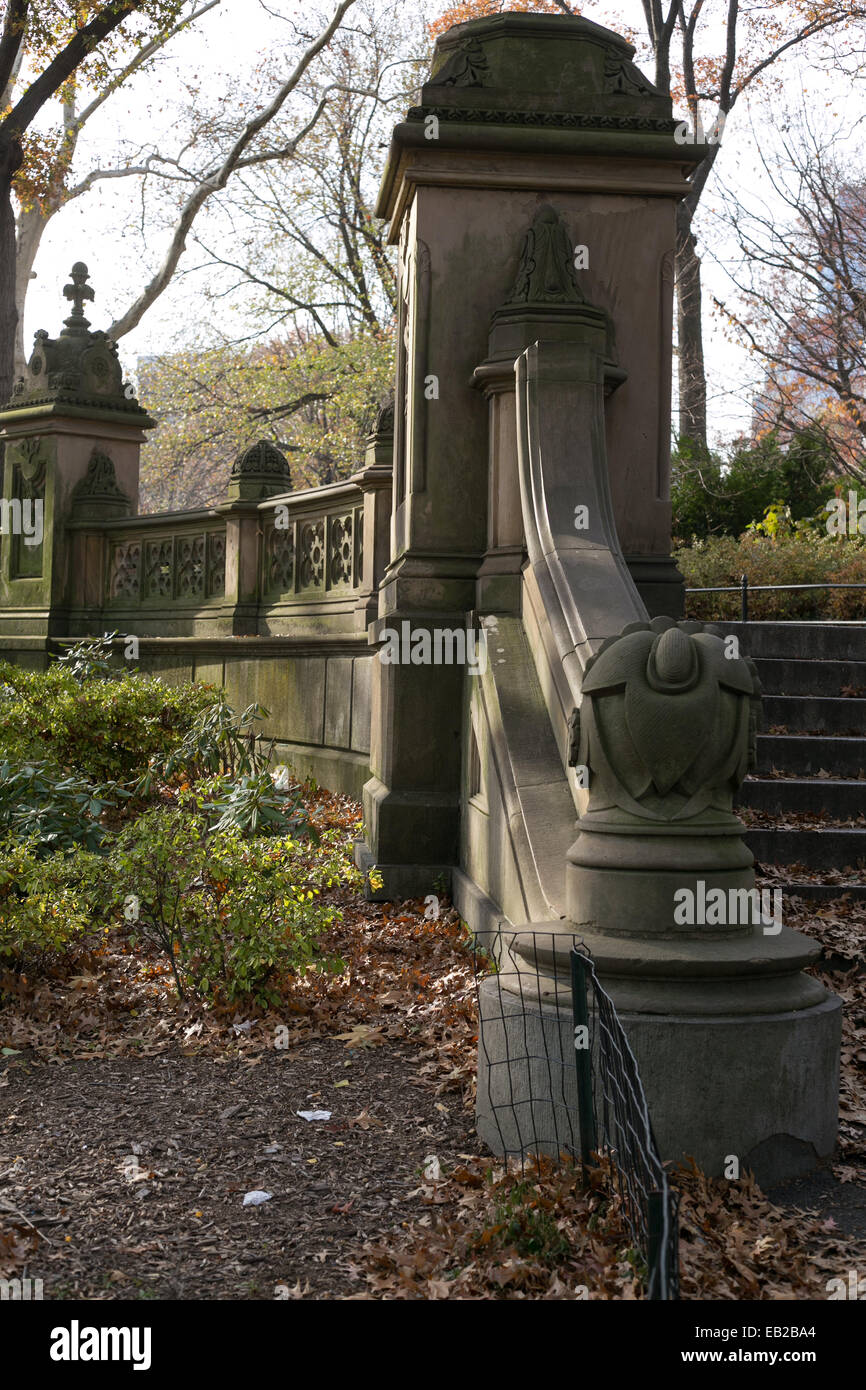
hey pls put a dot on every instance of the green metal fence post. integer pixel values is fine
(582, 1058)
(656, 1253)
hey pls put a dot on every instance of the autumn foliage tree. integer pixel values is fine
(314, 400)
(299, 253)
(800, 294)
(54, 43)
(49, 42)
(707, 54)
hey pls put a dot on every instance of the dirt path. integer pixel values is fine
(134, 1171)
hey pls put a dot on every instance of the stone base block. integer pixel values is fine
(659, 583)
(409, 825)
(401, 881)
(762, 1089)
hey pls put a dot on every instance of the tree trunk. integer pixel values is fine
(31, 226)
(8, 312)
(692, 377)
(10, 159)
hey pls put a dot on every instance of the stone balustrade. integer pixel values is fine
(172, 573)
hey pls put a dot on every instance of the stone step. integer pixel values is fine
(801, 756)
(794, 712)
(814, 796)
(804, 641)
(822, 678)
(804, 668)
(816, 849)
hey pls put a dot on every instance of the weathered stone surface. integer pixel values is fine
(705, 1080)
(262, 470)
(362, 675)
(97, 494)
(338, 702)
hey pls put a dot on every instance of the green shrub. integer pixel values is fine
(714, 494)
(45, 904)
(105, 728)
(524, 1221)
(792, 556)
(229, 915)
(252, 804)
(53, 811)
(149, 879)
(850, 603)
(328, 862)
(261, 920)
(219, 741)
(91, 659)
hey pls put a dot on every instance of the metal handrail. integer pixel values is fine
(744, 588)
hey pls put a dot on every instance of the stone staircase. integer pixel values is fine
(811, 755)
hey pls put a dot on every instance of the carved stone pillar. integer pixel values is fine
(376, 479)
(546, 306)
(73, 432)
(259, 472)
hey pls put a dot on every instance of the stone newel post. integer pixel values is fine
(533, 196)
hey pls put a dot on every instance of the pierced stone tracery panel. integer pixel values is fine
(340, 538)
(311, 555)
(216, 564)
(190, 567)
(125, 566)
(158, 565)
(359, 547)
(159, 569)
(322, 553)
(280, 560)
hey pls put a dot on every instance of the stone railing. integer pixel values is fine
(269, 593)
(244, 568)
(165, 559)
(313, 544)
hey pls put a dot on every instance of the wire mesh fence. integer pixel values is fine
(557, 1077)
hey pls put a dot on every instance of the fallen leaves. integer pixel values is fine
(366, 1121)
(409, 980)
(362, 1036)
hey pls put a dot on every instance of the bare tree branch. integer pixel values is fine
(62, 66)
(141, 57)
(217, 180)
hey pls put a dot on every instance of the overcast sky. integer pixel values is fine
(102, 228)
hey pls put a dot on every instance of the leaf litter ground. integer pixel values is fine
(131, 1127)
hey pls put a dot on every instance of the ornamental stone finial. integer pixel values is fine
(78, 291)
(382, 421)
(79, 370)
(261, 470)
(667, 726)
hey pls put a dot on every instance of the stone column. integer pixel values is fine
(376, 481)
(73, 432)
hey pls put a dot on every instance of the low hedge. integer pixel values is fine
(805, 557)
